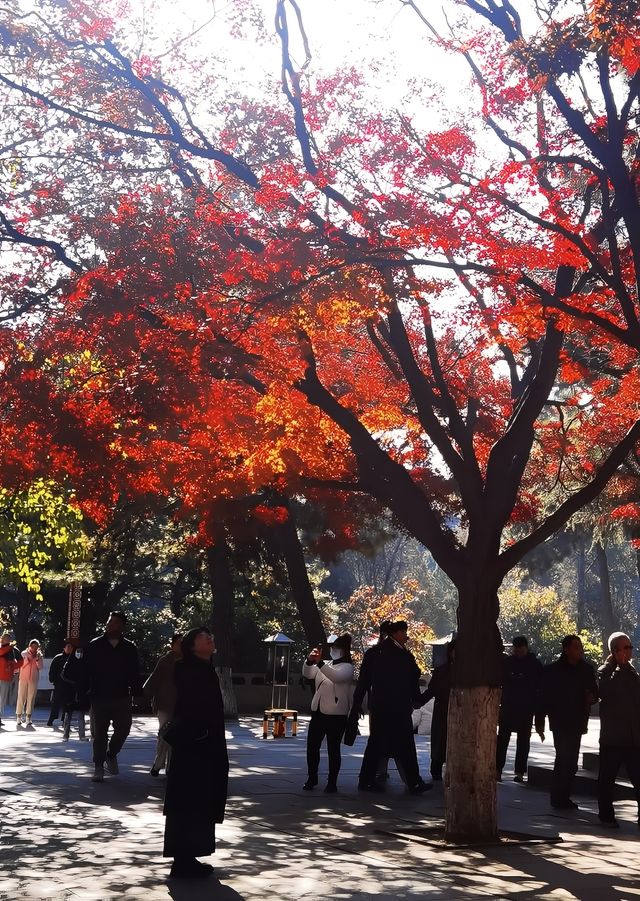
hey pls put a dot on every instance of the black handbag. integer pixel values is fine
(179, 734)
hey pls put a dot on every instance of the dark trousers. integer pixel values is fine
(331, 727)
(57, 702)
(523, 742)
(567, 745)
(611, 760)
(104, 712)
(390, 735)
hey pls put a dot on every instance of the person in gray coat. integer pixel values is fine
(619, 689)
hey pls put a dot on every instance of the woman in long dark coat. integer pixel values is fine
(196, 791)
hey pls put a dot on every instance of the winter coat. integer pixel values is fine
(521, 690)
(198, 775)
(160, 686)
(112, 672)
(10, 662)
(567, 693)
(31, 666)
(55, 670)
(74, 682)
(393, 680)
(334, 686)
(619, 689)
(439, 688)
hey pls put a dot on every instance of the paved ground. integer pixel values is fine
(62, 837)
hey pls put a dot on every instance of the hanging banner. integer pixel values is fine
(75, 607)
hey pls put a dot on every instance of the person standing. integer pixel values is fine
(55, 677)
(619, 688)
(439, 688)
(32, 664)
(393, 686)
(160, 688)
(10, 663)
(329, 708)
(196, 792)
(74, 694)
(521, 701)
(569, 690)
(111, 674)
(363, 690)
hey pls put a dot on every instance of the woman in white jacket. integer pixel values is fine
(329, 708)
(28, 681)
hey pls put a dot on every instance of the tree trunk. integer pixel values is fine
(607, 614)
(470, 775)
(581, 578)
(293, 554)
(222, 592)
(470, 780)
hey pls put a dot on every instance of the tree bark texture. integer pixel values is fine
(607, 614)
(470, 775)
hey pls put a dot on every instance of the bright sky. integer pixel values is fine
(378, 36)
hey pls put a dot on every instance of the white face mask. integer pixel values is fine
(336, 653)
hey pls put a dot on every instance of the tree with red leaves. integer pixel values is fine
(315, 297)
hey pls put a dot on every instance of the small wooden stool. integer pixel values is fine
(279, 717)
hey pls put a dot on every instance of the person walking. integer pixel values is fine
(393, 686)
(10, 662)
(160, 689)
(32, 664)
(330, 706)
(521, 701)
(619, 689)
(569, 690)
(439, 688)
(362, 692)
(55, 677)
(111, 675)
(196, 792)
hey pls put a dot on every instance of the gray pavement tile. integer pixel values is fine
(101, 842)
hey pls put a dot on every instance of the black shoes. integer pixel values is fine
(420, 788)
(310, 784)
(331, 788)
(190, 868)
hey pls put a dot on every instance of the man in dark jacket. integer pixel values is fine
(55, 677)
(521, 700)
(619, 687)
(569, 690)
(112, 676)
(393, 686)
(439, 688)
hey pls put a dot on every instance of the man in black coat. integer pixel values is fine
(55, 677)
(392, 682)
(569, 690)
(521, 700)
(439, 688)
(619, 687)
(112, 678)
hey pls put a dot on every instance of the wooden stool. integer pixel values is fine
(279, 717)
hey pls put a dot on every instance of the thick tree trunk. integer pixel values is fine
(607, 614)
(470, 775)
(221, 581)
(302, 591)
(470, 781)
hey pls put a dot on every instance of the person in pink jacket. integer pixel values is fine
(28, 682)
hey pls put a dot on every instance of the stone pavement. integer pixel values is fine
(63, 837)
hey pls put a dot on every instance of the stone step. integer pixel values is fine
(585, 782)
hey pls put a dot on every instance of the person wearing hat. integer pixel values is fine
(329, 707)
(32, 664)
(10, 663)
